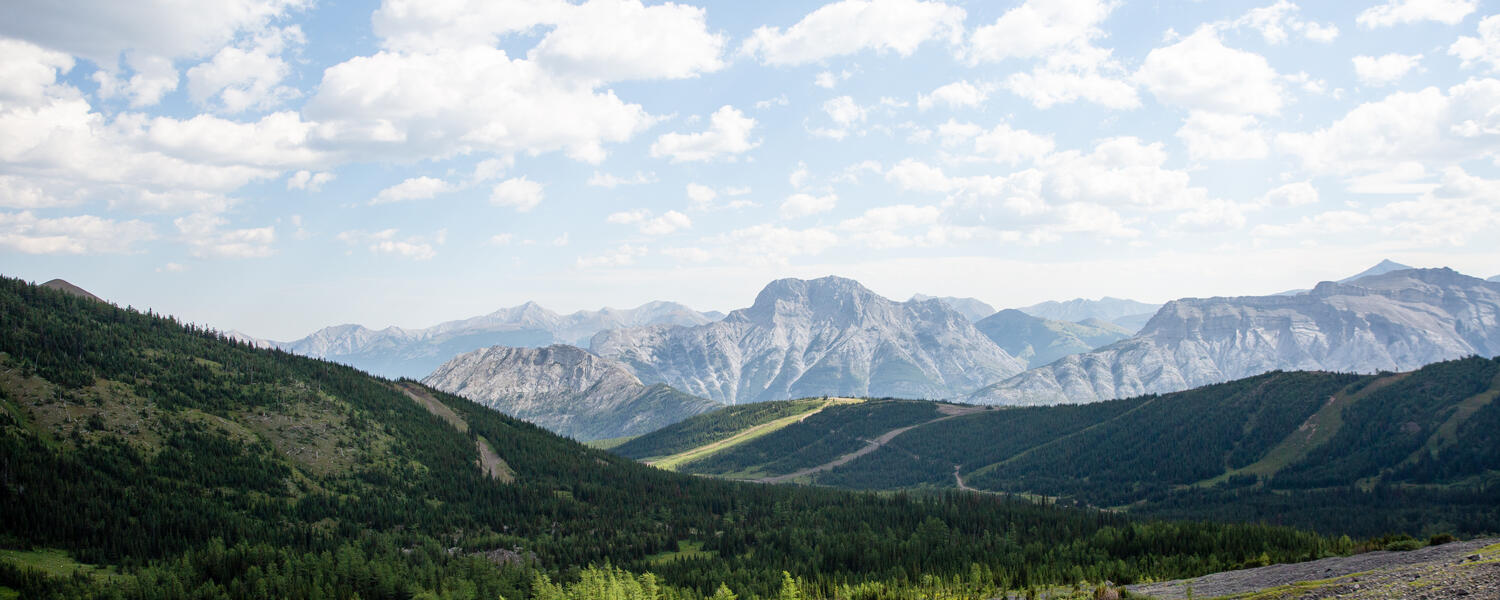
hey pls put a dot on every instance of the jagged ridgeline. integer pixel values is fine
(1415, 452)
(180, 463)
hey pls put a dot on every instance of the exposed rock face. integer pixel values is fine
(397, 352)
(566, 390)
(63, 286)
(1395, 321)
(828, 336)
(1126, 313)
(1040, 341)
(972, 309)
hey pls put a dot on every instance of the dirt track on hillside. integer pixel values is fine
(948, 410)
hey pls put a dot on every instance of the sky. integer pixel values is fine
(275, 166)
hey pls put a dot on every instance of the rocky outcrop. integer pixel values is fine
(1395, 321)
(828, 336)
(566, 390)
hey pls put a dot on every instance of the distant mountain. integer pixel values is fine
(1396, 321)
(396, 352)
(828, 336)
(1381, 268)
(58, 284)
(566, 390)
(1040, 341)
(1127, 313)
(1495, 278)
(972, 309)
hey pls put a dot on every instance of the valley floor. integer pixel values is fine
(1458, 570)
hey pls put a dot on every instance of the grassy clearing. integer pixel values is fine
(685, 550)
(55, 563)
(672, 462)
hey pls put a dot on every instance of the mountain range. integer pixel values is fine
(1040, 341)
(1129, 314)
(827, 336)
(566, 390)
(397, 352)
(1394, 321)
(972, 309)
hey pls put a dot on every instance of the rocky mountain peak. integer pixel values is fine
(828, 299)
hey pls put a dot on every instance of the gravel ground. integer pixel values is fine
(1464, 570)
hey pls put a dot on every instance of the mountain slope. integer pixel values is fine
(566, 390)
(1040, 341)
(821, 337)
(188, 465)
(972, 309)
(1291, 446)
(63, 286)
(397, 352)
(1126, 313)
(1396, 321)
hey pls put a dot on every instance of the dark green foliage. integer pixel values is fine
(710, 427)
(823, 437)
(210, 511)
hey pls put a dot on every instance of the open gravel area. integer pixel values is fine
(1469, 570)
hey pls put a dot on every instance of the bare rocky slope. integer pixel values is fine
(1040, 341)
(828, 336)
(1394, 321)
(566, 390)
(398, 352)
(972, 309)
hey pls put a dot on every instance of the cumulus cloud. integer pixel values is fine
(308, 180)
(1214, 136)
(1426, 126)
(249, 75)
(519, 193)
(1401, 12)
(1379, 71)
(803, 205)
(728, 134)
(621, 256)
(851, 26)
(1275, 21)
(415, 188)
(206, 238)
(83, 234)
(651, 225)
(1200, 73)
(387, 242)
(1299, 193)
(1062, 35)
(959, 94)
(1000, 144)
(1485, 49)
(612, 181)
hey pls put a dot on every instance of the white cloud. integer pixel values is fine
(845, 113)
(1212, 215)
(1200, 73)
(561, 240)
(615, 40)
(83, 234)
(1335, 222)
(1300, 193)
(519, 193)
(308, 180)
(1062, 33)
(1461, 208)
(728, 134)
(19, 192)
(802, 205)
(501, 239)
(704, 198)
(959, 94)
(1399, 12)
(1213, 136)
(891, 227)
(407, 104)
(668, 222)
(851, 26)
(1273, 22)
(828, 80)
(153, 78)
(1384, 70)
(206, 239)
(247, 76)
(102, 30)
(1424, 126)
(622, 256)
(701, 196)
(415, 188)
(1001, 144)
(1483, 49)
(768, 244)
(611, 181)
(387, 242)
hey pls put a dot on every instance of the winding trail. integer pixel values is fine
(959, 479)
(949, 411)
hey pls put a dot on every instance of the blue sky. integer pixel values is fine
(273, 166)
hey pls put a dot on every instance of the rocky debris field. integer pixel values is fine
(1468, 570)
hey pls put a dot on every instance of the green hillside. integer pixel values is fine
(1364, 455)
(715, 426)
(160, 460)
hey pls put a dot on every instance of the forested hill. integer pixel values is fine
(182, 464)
(1417, 452)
